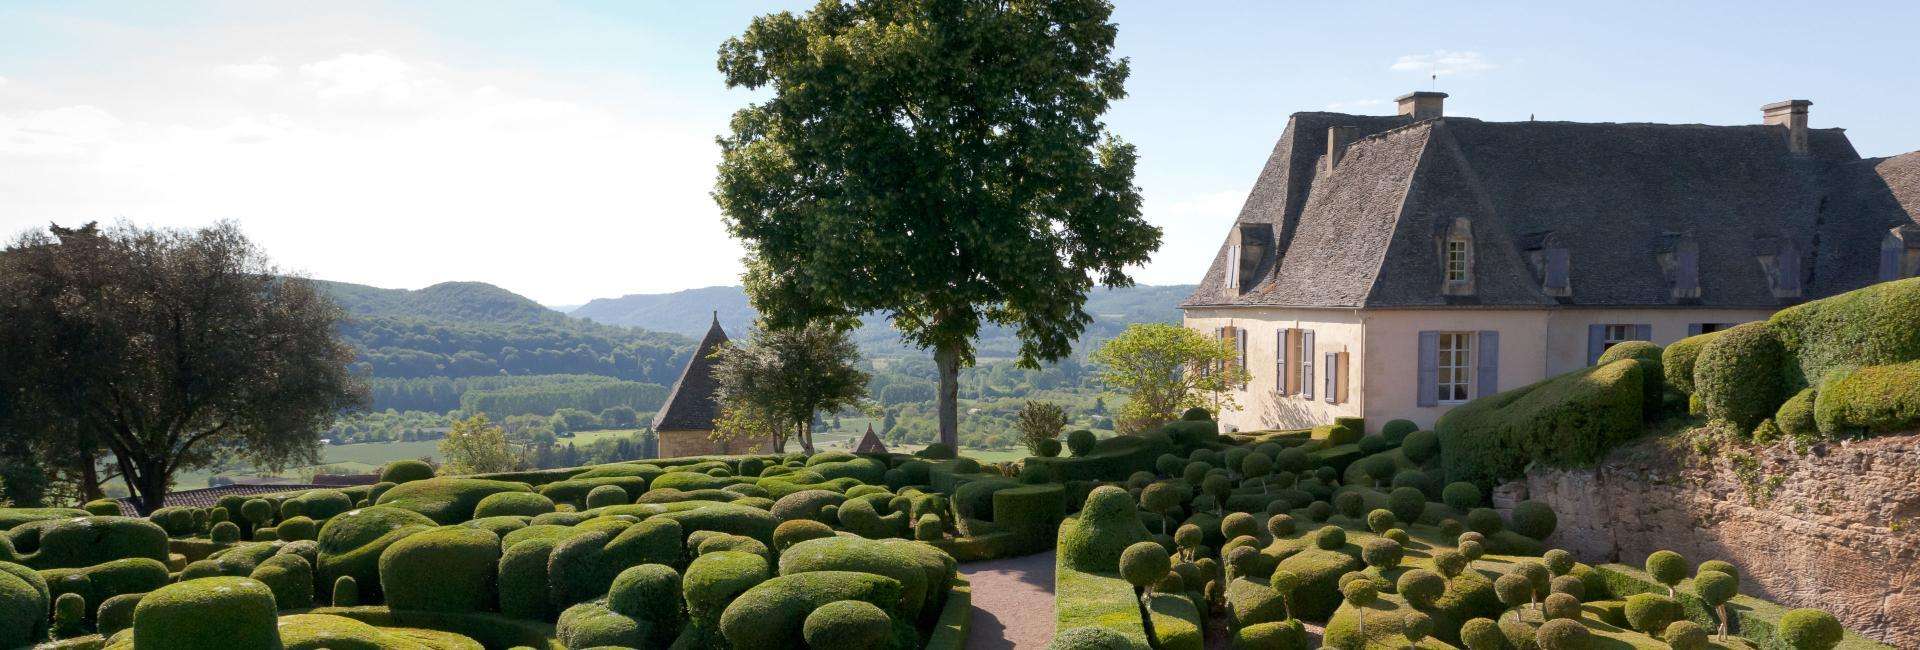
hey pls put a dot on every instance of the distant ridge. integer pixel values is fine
(687, 312)
(447, 301)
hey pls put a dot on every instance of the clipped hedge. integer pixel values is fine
(773, 614)
(351, 543)
(447, 569)
(1568, 420)
(1874, 399)
(218, 612)
(1739, 376)
(1678, 359)
(446, 500)
(1865, 327)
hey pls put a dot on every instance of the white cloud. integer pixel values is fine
(376, 77)
(262, 70)
(1443, 63)
(1351, 104)
(64, 131)
(1192, 227)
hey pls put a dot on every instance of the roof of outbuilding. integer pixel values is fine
(210, 497)
(691, 405)
(1615, 196)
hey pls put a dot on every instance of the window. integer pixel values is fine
(1294, 363)
(1455, 384)
(1709, 328)
(1616, 334)
(1456, 260)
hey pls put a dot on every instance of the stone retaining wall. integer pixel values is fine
(1836, 528)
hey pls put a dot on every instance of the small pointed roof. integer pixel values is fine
(870, 443)
(691, 406)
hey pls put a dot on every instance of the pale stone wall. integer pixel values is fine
(1262, 406)
(697, 443)
(1393, 356)
(1566, 334)
(1839, 529)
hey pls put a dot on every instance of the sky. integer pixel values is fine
(565, 150)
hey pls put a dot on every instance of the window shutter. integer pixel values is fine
(1240, 351)
(1695, 329)
(1890, 259)
(1643, 332)
(1429, 380)
(1789, 268)
(1686, 281)
(1557, 270)
(1233, 266)
(1488, 381)
(1332, 371)
(1280, 361)
(1596, 342)
(1306, 364)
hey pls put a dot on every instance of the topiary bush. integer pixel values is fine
(1677, 361)
(289, 577)
(1080, 442)
(1567, 420)
(448, 569)
(1738, 376)
(1561, 634)
(404, 471)
(350, 543)
(514, 504)
(1872, 399)
(773, 613)
(1649, 356)
(1652, 613)
(1809, 629)
(1106, 526)
(1534, 519)
(1871, 326)
(1485, 521)
(89, 540)
(446, 500)
(1092, 638)
(850, 624)
(1685, 635)
(219, 612)
(24, 598)
(923, 572)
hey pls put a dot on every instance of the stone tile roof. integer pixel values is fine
(690, 406)
(210, 497)
(1615, 195)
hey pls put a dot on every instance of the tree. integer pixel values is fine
(1040, 422)
(1165, 369)
(170, 349)
(781, 379)
(477, 446)
(943, 163)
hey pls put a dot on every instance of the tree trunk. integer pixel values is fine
(148, 482)
(1146, 617)
(947, 357)
(90, 478)
(806, 437)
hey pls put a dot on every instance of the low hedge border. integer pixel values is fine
(1753, 619)
(950, 633)
(491, 630)
(994, 545)
(1104, 600)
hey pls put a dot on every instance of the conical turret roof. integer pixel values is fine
(691, 406)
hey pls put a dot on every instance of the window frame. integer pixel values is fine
(1607, 340)
(1456, 361)
(1453, 261)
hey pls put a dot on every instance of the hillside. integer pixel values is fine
(447, 301)
(689, 312)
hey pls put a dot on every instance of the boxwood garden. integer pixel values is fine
(1246, 541)
(833, 550)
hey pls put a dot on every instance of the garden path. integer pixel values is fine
(1012, 603)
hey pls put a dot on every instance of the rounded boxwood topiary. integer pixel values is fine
(1534, 519)
(447, 569)
(116, 613)
(1738, 376)
(1196, 414)
(1559, 561)
(922, 571)
(1485, 521)
(1080, 442)
(225, 532)
(1451, 528)
(1461, 496)
(1396, 431)
(798, 530)
(1569, 585)
(290, 578)
(1380, 520)
(1450, 563)
(773, 614)
(351, 542)
(520, 504)
(1106, 525)
(1667, 568)
(1382, 553)
(1421, 587)
(1236, 524)
(1143, 564)
(69, 615)
(1421, 446)
(1561, 605)
(1319, 510)
(1330, 538)
(1398, 535)
(1092, 638)
(522, 578)
(1513, 589)
(1406, 504)
(1371, 445)
(850, 624)
(649, 593)
(294, 529)
(219, 612)
(1047, 447)
(715, 579)
(258, 512)
(1482, 634)
(1652, 613)
(1720, 566)
(1280, 526)
(402, 471)
(1561, 634)
(1351, 504)
(606, 495)
(1472, 549)
(1685, 635)
(1809, 629)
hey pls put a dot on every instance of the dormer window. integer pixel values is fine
(1456, 258)
(1782, 262)
(1900, 253)
(1552, 264)
(1679, 255)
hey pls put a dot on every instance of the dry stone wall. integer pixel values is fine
(1837, 527)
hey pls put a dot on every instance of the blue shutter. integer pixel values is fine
(1306, 364)
(1890, 261)
(1596, 343)
(1643, 332)
(1557, 269)
(1789, 264)
(1687, 277)
(1695, 329)
(1332, 371)
(1429, 380)
(1488, 381)
(1280, 361)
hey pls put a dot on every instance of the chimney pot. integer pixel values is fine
(1792, 114)
(1422, 104)
(1338, 137)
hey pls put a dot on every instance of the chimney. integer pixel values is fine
(1422, 104)
(1792, 114)
(1338, 137)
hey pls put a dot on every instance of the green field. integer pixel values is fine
(366, 458)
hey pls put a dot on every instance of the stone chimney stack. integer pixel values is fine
(1422, 104)
(1792, 114)
(1338, 137)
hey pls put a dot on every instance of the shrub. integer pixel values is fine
(1461, 496)
(1719, 566)
(219, 612)
(922, 571)
(1382, 553)
(1330, 538)
(1319, 571)
(1874, 399)
(1685, 635)
(1652, 613)
(650, 594)
(1866, 327)
(850, 624)
(795, 531)
(116, 613)
(1562, 605)
(1809, 629)
(1278, 526)
(351, 542)
(606, 495)
(320, 504)
(1485, 521)
(1397, 431)
(1795, 417)
(1534, 519)
(937, 451)
(294, 529)
(1351, 504)
(89, 540)
(1380, 520)
(1371, 445)
(1677, 361)
(1404, 504)
(713, 580)
(446, 500)
(24, 598)
(290, 578)
(448, 569)
(1667, 568)
(1196, 414)
(1092, 638)
(402, 471)
(1144, 563)
(1319, 510)
(1562, 634)
(1450, 563)
(1080, 442)
(1482, 634)
(1472, 549)
(522, 579)
(1093, 541)
(773, 613)
(1649, 355)
(1739, 375)
(1421, 587)
(225, 532)
(1567, 420)
(523, 504)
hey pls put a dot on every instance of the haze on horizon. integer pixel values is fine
(566, 152)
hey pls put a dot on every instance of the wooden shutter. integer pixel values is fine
(1686, 281)
(1789, 268)
(1557, 269)
(1429, 379)
(1240, 351)
(1695, 329)
(1643, 332)
(1280, 361)
(1487, 381)
(1890, 259)
(1306, 364)
(1346, 377)
(1333, 372)
(1596, 343)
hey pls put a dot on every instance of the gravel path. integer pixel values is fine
(1012, 603)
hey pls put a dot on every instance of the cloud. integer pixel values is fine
(261, 70)
(1443, 62)
(376, 77)
(1355, 103)
(65, 131)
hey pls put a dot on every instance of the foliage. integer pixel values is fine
(1165, 369)
(1738, 376)
(1569, 420)
(1873, 399)
(1865, 327)
(477, 446)
(1041, 421)
(781, 378)
(1677, 360)
(1032, 204)
(92, 317)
